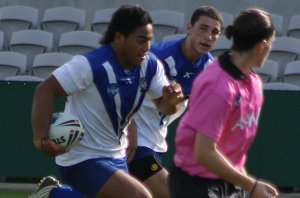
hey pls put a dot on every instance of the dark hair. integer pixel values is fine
(250, 27)
(208, 11)
(126, 20)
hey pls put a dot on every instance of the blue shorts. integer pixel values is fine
(142, 152)
(89, 176)
(145, 163)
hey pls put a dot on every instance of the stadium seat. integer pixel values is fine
(278, 23)
(292, 73)
(26, 78)
(269, 71)
(221, 46)
(227, 19)
(31, 43)
(78, 42)
(1, 40)
(173, 37)
(293, 29)
(166, 22)
(281, 86)
(284, 50)
(62, 19)
(16, 18)
(45, 64)
(101, 20)
(11, 64)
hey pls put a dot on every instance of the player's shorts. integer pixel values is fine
(145, 163)
(182, 184)
(89, 176)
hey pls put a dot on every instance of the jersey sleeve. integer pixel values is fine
(158, 82)
(75, 75)
(208, 113)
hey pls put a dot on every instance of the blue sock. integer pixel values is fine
(64, 192)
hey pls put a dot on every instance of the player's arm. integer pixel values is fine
(132, 140)
(166, 95)
(170, 102)
(42, 109)
(208, 155)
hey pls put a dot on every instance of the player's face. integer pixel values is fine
(136, 45)
(204, 34)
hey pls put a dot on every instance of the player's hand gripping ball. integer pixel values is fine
(66, 130)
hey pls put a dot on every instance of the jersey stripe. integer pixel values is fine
(112, 79)
(171, 64)
(110, 104)
(140, 93)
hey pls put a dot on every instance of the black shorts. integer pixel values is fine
(144, 167)
(182, 185)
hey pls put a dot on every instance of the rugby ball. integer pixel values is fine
(66, 130)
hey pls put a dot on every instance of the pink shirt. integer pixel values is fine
(223, 108)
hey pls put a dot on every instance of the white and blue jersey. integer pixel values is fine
(151, 126)
(104, 97)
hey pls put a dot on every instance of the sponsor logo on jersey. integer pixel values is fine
(127, 80)
(112, 89)
(187, 74)
(143, 83)
(247, 121)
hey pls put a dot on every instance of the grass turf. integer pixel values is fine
(12, 194)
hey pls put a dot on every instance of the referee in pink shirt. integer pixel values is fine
(216, 132)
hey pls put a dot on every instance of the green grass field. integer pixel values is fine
(11, 194)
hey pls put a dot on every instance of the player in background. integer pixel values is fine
(220, 124)
(105, 87)
(183, 59)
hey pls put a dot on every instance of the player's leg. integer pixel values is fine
(158, 184)
(103, 177)
(146, 167)
(121, 184)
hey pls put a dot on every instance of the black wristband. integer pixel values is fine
(253, 188)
